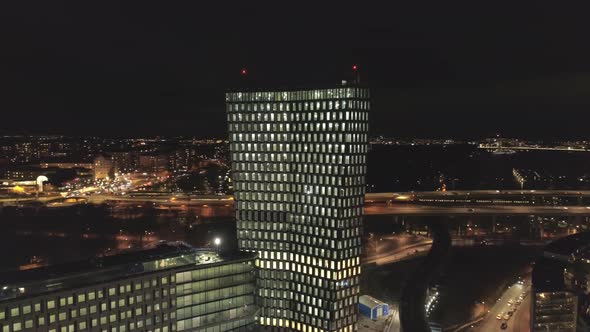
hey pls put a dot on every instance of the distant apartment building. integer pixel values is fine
(23, 173)
(103, 167)
(124, 161)
(170, 287)
(67, 165)
(183, 159)
(298, 170)
(154, 163)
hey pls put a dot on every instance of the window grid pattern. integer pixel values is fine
(210, 299)
(299, 165)
(132, 305)
(220, 296)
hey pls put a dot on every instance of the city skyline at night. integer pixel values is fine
(294, 167)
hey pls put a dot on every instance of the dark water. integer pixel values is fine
(406, 168)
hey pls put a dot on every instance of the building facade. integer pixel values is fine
(154, 162)
(559, 289)
(298, 167)
(554, 311)
(124, 161)
(102, 167)
(67, 165)
(23, 173)
(171, 287)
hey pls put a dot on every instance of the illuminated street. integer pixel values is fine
(388, 250)
(509, 309)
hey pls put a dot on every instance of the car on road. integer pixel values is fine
(504, 326)
(499, 316)
(506, 316)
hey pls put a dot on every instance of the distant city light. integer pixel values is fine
(217, 241)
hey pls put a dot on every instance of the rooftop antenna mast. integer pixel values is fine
(356, 74)
(244, 77)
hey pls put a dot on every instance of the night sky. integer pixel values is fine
(435, 68)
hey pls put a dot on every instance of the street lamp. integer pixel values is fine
(217, 242)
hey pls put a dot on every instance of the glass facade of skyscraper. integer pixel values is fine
(299, 165)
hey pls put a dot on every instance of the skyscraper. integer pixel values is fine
(299, 165)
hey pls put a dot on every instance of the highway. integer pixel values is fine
(533, 148)
(373, 204)
(385, 196)
(370, 209)
(425, 210)
(369, 197)
(406, 252)
(515, 323)
(163, 199)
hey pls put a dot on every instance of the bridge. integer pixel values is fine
(427, 203)
(420, 210)
(462, 196)
(484, 197)
(480, 202)
(497, 147)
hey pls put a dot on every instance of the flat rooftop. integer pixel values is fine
(548, 275)
(570, 245)
(370, 301)
(251, 86)
(162, 256)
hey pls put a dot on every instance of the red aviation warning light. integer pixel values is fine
(243, 78)
(356, 73)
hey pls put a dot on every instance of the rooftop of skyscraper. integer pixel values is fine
(252, 86)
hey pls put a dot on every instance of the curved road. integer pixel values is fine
(413, 300)
(399, 254)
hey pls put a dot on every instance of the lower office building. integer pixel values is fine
(554, 310)
(169, 287)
